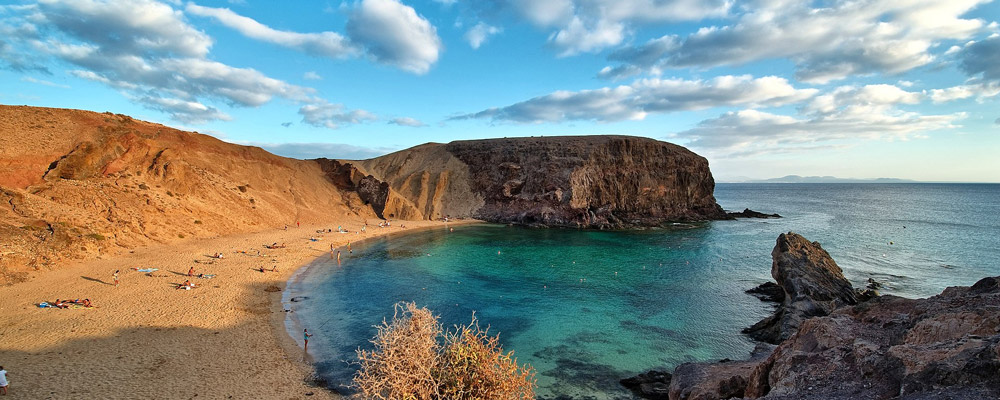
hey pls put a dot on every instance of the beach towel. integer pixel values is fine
(147, 269)
(45, 305)
(207, 276)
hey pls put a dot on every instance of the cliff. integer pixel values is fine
(835, 344)
(79, 184)
(584, 181)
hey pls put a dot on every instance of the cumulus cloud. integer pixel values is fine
(407, 121)
(479, 33)
(312, 76)
(136, 27)
(322, 44)
(325, 114)
(147, 50)
(635, 101)
(393, 33)
(308, 151)
(842, 116)
(185, 111)
(582, 26)
(829, 43)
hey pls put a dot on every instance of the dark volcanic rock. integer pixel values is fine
(748, 213)
(347, 177)
(813, 285)
(768, 291)
(650, 385)
(942, 347)
(584, 181)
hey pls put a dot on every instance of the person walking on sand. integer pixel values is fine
(305, 337)
(3, 381)
(115, 277)
(349, 247)
(191, 271)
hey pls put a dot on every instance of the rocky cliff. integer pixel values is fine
(585, 181)
(836, 345)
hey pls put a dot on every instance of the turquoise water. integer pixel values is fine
(587, 308)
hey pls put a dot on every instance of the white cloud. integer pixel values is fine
(44, 82)
(843, 39)
(325, 114)
(592, 25)
(185, 111)
(844, 115)
(635, 101)
(312, 76)
(394, 34)
(147, 50)
(324, 44)
(981, 91)
(127, 27)
(407, 121)
(479, 33)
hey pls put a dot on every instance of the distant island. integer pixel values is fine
(816, 179)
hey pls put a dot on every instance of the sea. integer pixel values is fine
(586, 308)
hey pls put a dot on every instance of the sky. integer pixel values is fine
(856, 89)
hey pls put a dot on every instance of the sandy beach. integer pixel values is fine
(146, 339)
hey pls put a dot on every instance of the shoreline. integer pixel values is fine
(284, 324)
(145, 339)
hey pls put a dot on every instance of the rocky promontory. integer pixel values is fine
(582, 181)
(836, 342)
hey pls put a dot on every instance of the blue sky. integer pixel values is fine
(864, 89)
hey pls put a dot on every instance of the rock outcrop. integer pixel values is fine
(942, 347)
(813, 285)
(748, 213)
(585, 181)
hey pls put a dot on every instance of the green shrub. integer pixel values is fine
(96, 236)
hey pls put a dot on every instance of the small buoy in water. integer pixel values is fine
(545, 287)
(498, 252)
(890, 243)
(616, 273)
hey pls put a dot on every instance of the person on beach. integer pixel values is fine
(115, 277)
(305, 337)
(349, 247)
(338, 256)
(3, 381)
(191, 271)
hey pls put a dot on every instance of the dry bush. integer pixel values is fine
(412, 360)
(474, 366)
(405, 357)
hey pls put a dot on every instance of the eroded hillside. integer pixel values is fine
(78, 184)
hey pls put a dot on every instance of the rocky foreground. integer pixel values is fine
(832, 341)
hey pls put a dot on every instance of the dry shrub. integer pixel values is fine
(413, 360)
(474, 366)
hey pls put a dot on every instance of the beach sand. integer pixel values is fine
(146, 339)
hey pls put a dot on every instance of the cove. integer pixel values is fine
(585, 308)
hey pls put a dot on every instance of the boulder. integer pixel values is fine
(812, 283)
